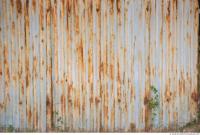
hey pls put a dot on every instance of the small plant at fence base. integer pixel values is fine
(10, 128)
(59, 121)
(154, 101)
(198, 115)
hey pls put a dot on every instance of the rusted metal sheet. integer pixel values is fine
(83, 65)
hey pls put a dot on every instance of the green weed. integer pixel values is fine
(59, 121)
(10, 128)
(154, 101)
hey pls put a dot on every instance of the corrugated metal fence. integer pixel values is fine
(87, 65)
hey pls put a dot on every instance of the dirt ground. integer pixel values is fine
(193, 127)
(190, 127)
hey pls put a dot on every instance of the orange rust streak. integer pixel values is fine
(80, 56)
(63, 101)
(19, 6)
(34, 5)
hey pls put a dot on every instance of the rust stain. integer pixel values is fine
(0, 71)
(168, 12)
(48, 102)
(91, 96)
(6, 65)
(1, 106)
(29, 113)
(101, 68)
(22, 84)
(19, 6)
(26, 30)
(168, 93)
(35, 62)
(118, 73)
(77, 30)
(34, 5)
(112, 71)
(97, 100)
(181, 85)
(20, 103)
(48, 9)
(12, 3)
(68, 6)
(26, 10)
(63, 6)
(41, 14)
(63, 101)
(27, 77)
(98, 6)
(49, 106)
(174, 2)
(106, 117)
(81, 56)
(70, 88)
(111, 6)
(146, 99)
(119, 94)
(90, 66)
(90, 7)
(195, 96)
(118, 6)
(161, 37)
(132, 93)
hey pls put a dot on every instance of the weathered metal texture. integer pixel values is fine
(91, 63)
